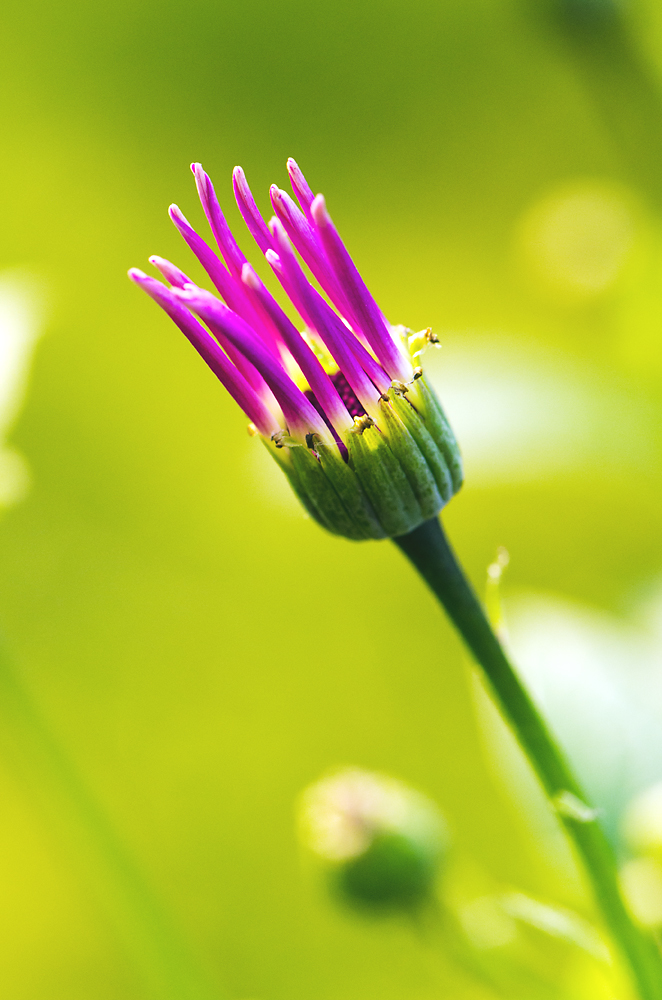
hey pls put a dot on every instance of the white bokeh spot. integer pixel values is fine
(21, 311)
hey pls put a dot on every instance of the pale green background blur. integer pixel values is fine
(185, 652)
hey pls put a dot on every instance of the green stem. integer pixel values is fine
(429, 550)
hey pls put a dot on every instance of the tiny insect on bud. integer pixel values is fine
(383, 843)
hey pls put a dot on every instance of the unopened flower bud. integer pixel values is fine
(343, 406)
(383, 843)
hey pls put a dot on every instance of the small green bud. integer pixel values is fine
(382, 842)
(394, 872)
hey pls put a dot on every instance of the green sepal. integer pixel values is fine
(283, 457)
(421, 435)
(350, 491)
(384, 481)
(429, 407)
(410, 457)
(318, 488)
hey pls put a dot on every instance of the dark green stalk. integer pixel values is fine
(429, 550)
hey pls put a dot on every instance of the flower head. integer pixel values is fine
(342, 405)
(382, 841)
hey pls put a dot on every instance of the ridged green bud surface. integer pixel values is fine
(398, 469)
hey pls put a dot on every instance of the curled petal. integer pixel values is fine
(232, 255)
(249, 210)
(363, 305)
(304, 238)
(300, 187)
(218, 273)
(170, 271)
(320, 383)
(229, 287)
(329, 327)
(301, 415)
(238, 387)
(374, 372)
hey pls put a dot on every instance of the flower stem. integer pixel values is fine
(430, 552)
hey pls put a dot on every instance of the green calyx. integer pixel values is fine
(397, 473)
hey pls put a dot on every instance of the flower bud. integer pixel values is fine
(382, 842)
(343, 405)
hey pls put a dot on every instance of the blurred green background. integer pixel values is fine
(183, 651)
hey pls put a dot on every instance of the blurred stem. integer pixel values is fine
(506, 979)
(154, 945)
(430, 552)
(445, 941)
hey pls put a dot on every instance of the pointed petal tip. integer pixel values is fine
(273, 258)
(136, 274)
(173, 274)
(249, 277)
(240, 184)
(281, 200)
(277, 230)
(300, 185)
(201, 178)
(319, 211)
(175, 213)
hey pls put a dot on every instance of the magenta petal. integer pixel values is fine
(232, 255)
(210, 352)
(218, 273)
(249, 210)
(170, 272)
(304, 238)
(229, 287)
(301, 415)
(328, 325)
(300, 187)
(251, 216)
(372, 369)
(363, 305)
(318, 380)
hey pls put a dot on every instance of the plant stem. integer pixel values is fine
(430, 552)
